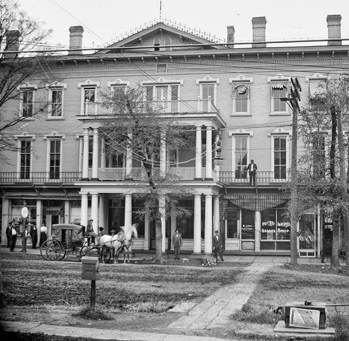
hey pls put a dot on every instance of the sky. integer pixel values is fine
(105, 20)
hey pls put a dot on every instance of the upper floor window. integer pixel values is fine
(279, 91)
(55, 159)
(319, 155)
(241, 95)
(207, 94)
(25, 159)
(27, 99)
(162, 43)
(56, 93)
(89, 97)
(280, 153)
(164, 96)
(241, 151)
(316, 90)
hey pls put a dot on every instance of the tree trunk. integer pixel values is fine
(335, 242)
(158, 233)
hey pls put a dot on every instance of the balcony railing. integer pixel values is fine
(175, 106)
(39, 177)
(262, 177)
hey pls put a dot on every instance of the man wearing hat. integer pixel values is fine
(177, 243)
(217, 245)
(252, 168)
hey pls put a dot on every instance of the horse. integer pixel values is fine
(120, 242)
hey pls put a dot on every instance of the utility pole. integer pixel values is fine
(293, 98)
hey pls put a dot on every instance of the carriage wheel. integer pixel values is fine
(51, 250)
(62, 255)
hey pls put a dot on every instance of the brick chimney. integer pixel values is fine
(258, 31)
(230, 35)
(75, 39)
(334, 29)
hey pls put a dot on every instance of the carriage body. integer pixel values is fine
(65, 238)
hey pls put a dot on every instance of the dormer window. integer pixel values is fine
(156, 44)
(163, 41)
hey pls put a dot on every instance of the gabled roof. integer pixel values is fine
(178, 34)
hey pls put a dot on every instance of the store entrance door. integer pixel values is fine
(232, 229)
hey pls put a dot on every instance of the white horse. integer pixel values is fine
(119, 242)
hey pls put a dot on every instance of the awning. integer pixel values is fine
(259, 202)
(278, 86)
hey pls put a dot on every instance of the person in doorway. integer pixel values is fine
(34, 235)
(13, 238)
(43, 234)
(217, 246)
(177, 243)
(252, 168)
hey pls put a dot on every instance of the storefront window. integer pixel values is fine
(276, 229)
(232, 224)
(306, 232)
(248, 227)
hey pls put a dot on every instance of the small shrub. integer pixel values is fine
(259, 315)
(92, 314)
(341, 324)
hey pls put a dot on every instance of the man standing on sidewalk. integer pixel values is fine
(177, 243)
(217, 246)
(13, 238)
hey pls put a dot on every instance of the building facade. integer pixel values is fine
(228, 92)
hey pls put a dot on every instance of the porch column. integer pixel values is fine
(85, 156)
(197, 223)
(102, 215)
(129, 161)
(208, 152)
(94, 212)
(208, 224)
(5, 219)
(84, 209)
(81, 153)
(128, 209)
(66, 212)
(163, 222)
(173, 221)
(95, 155)
(198, 154)
(39, 218)
(216, 213)
(103, 159)
(258, 226)
(146, 230)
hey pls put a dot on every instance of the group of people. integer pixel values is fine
(217, 245)
(14, 230)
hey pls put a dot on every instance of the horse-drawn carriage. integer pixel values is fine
(69, 238)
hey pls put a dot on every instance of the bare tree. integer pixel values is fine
(141, 128)
(19, 34)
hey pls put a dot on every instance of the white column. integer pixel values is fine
(208, 224)
(128, 209)
(81, 146)
(258, 226)
(198, 154)
(5, 220)
(163, 222)
(102, 215)
(95, 154)
(129, 161)
(146, 230)
(197, 223)
(66, 212)
(39, 217)
(85, 156)
(103, 154)
(208, 152)
(84, 209)
(216, 212)
(94, 212)
(173, 220)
